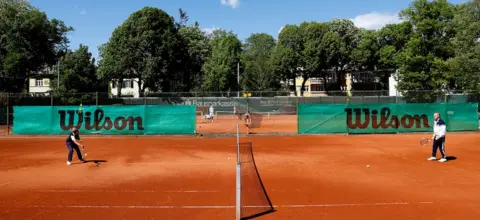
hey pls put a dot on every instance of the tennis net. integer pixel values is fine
(252, 198)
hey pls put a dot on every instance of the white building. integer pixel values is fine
(392, 85)
(129, 87)
(40, 84)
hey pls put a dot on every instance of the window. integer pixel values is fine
(127, 83)
(39, 83)
(318, 88)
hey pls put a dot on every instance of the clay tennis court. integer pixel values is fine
(260, 124)
(306, 177)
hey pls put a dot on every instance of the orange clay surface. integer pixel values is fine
(259, 124)
(4, 130)
(306, 177)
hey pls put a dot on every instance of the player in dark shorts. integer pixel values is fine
(247, 117)
(73, 144)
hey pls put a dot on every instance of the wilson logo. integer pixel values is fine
(99, 121)
(383, 120)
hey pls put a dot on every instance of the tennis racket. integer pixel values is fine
(83, 150)
(424, 141)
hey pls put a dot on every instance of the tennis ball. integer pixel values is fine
(368, 166)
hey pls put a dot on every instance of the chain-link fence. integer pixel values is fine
(219, 112)
(4, 114)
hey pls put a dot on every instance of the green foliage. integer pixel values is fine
(198, 49)
(144, 47)
(436, 48)
(220, 68)
(29, 42)
(423, 60)
(78, 79)
(257, 60)
(314, 54)
(465, 65)
(288, 58)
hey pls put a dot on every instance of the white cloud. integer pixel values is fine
(231, 3)
(375, 20)
(209, 31)
(83, 12)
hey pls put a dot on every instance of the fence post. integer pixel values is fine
(144, 98)
(8, 113)
(246, 97)
(51, 98)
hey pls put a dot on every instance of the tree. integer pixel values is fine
(198, 48)
(29, 42)
(221, 67)
(365, 56)
(315, 53)
(143, 47)
(78, 79)
(465, 65)
(422, 62)
(391, 40)
(342, 40)
(257, 57)
(288, 57)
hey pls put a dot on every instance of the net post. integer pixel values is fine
(238, 143)
(238, 179)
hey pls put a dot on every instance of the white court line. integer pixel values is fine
(3, 184)
(224, 206)
(180, 163)
(130, 191)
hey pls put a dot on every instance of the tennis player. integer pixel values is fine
(247, 118)
(439, 132)
(73, 144)
(210, 115)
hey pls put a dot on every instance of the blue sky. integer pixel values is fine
(94, 20)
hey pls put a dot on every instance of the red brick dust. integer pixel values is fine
(264, 123)
(306, 177)
(5, 130)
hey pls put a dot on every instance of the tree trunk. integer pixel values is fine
(119, 87)
(324, 77)
(140, 88)
(302, 90)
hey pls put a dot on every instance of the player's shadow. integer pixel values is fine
(97, 162)
(450, 158)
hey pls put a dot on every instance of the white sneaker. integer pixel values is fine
(68, 163)
(442, 160)
(432, 158)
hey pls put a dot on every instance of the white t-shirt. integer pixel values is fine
(211, 110)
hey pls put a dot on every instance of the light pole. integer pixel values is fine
(58, 74)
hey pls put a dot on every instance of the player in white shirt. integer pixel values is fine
(210, 114)
(439, 133)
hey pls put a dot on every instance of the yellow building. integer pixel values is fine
(313, 87)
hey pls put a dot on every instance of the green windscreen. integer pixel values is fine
(132, 119)
(383, 118)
